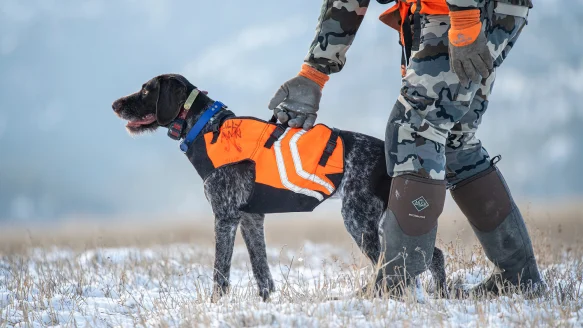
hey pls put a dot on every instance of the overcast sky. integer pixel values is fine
(63, 62)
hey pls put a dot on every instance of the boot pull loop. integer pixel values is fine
(495, 160)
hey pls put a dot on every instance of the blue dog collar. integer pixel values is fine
(199, 125)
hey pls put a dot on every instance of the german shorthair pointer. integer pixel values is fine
(167, 101)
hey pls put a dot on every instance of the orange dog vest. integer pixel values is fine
(295, 170)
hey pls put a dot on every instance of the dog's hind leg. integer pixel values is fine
(225, 230)
(254, 236)
(362, 213)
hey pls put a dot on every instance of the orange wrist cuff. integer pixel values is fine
(314, 75)
(464, 18)
(465, 27)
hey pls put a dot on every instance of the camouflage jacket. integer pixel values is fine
(339, 21)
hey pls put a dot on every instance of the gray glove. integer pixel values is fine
(472, 62)
(297, 102)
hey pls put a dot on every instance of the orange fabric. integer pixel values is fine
(464, 19)
(465, 27)
(430, 7)
(405, 7)
(314, 75)
(244, 139)
(395, 16)
(395, 21)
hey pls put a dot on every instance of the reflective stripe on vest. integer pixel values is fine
(283, 172)
(293, 144)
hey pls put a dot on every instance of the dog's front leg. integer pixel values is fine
(254, 236)
(225, 230)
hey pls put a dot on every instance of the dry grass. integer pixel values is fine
(150, 274)
(559, 224)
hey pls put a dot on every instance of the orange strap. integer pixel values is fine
(314, 75)
(465, 27)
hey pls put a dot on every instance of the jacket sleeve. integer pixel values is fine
(338, 23)
(465, 4)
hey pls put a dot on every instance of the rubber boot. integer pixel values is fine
(408, 231)
(496, 220)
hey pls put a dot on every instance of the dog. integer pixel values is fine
(363, 187)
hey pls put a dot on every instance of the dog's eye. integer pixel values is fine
(144, 92)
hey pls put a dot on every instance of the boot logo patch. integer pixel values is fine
(420, 204)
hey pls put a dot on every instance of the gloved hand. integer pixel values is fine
(298, 99)
(469, 55)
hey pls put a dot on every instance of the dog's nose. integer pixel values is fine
(116, 106)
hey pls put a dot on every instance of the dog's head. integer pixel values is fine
(158, 103)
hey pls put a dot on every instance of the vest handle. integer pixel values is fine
(330, 146)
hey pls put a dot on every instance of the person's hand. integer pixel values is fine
(297, 101)
(469, 56)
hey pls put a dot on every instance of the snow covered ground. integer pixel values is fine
(170, 286)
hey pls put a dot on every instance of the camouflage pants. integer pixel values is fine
(432, 128)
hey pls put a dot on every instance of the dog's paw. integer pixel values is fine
(266, 289)
(442, 291)
(215, 297)
(439, 289)
(218, 292)
(264, 293)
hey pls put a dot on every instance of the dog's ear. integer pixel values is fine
(171, 97)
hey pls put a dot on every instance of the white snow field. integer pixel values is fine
(169, 286)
